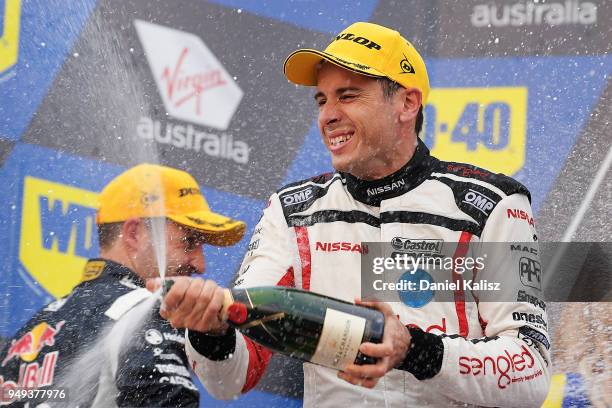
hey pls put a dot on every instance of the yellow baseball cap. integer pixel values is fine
(149, 190)
(368, 49)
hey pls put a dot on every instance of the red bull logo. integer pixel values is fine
(30, 344)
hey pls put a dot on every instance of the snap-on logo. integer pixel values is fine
(297, 197)
(359, 40)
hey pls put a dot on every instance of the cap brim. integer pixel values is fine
(301, 66)
(217, 229)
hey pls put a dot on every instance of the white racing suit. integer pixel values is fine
(462, 352)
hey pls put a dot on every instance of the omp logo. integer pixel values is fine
(9, 29)
(530, 13)
(479, 201)
(297, 197)
(192, 82)
(58, 233)
(482, 126)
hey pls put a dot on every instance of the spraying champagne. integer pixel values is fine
(304, 325)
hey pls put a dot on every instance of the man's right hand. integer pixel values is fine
(192, 303)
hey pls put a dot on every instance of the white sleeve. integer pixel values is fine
(233, 364)
(510, 366)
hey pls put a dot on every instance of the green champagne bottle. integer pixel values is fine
(304, 325)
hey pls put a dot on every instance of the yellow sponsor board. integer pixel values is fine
(58, 233)
(9, 42)
(481, 126)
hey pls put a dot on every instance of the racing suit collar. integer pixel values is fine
(413, 173)
(114, 269)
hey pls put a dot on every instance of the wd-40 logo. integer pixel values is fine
(9, 29)
(192, 82)
(58, 233)
(481, 126)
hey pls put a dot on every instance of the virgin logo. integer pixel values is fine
(181, 87)
(192, 82)
(501, 366)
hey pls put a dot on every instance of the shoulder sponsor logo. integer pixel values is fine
(297, 197)
(523, 296)
(524, 248)
(194, 87)
(28, 346)
(93, 269)
(529, 13)
(530, 272)
(479, 201)
(507, 367)
(535, 319)
(154, 337)
(520, 215)
(359, 40)
(374, 191)
(341, 246)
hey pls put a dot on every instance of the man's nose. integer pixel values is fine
(329, 113)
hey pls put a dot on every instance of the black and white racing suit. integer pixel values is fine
(149, 369)
(483, 354)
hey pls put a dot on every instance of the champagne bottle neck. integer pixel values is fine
(228, 300)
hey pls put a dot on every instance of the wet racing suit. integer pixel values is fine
(149, 369)
(462, 352)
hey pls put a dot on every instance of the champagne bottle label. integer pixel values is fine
(340, 339)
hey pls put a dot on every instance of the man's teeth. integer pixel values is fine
(340, 139)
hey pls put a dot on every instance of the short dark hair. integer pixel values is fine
(389, 88)
(108, 233)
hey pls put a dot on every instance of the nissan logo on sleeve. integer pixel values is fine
(298, 197)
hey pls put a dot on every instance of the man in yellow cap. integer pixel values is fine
(150, 217)
(371, 85)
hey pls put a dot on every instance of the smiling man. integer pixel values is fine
(143, 210)
(371, 85)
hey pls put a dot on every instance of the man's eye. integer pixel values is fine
(320, 102)
(347, 97)
(190, 242)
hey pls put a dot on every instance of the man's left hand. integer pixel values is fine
(390, 353)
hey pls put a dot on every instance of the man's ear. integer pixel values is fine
(411, 102)
(131, 233)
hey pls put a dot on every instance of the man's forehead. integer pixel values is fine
(335, 77)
